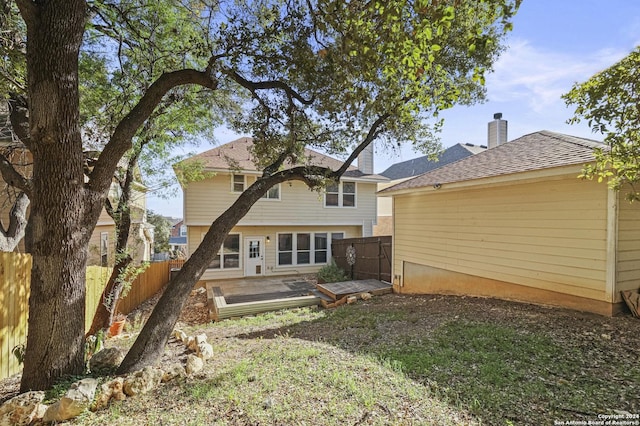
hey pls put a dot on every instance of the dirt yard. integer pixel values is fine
(557, 363)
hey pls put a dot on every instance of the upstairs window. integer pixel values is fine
(341, 194)
(237, 183)
(348, 194)
(273, 193)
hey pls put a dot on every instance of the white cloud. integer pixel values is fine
(539, 77)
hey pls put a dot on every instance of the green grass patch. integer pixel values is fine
(402, 360)
(502, 374)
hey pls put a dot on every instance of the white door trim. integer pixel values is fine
(253, 266)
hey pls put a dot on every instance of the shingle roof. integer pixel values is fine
(236, 154)
(536, 151)
(420, 165)
(177, 240)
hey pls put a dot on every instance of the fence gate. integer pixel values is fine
(373, 257)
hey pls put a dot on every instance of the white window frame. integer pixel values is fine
(183, 231)
(341, 195)
(266, 197)
(220, 251)
(233, 183)
(312, 248)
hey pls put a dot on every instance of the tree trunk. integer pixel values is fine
(106, 309)
(55, 342)
(151, 341)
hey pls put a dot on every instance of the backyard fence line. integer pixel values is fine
(372, 257)
(15, 277)
(148, 283)
(176, 263)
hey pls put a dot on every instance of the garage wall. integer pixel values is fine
(545, 235)
(628, 255)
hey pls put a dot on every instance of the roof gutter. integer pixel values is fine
(554, 173)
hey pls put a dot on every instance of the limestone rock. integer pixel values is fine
(180, 335)
(191, 344)
(106, 359)
(21, 409)
(194, 364)
(74, 402)
(199, 305)
(205, 351)
(173, 371)
(201, 338)
(108, 391)
(142, 381)
(365, 296)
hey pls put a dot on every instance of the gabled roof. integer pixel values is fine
(536, 151)
(420, 165)
(236, 154)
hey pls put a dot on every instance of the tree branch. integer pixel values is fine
(263, 85)
(12, 177)
(28, 11)
(373, 133)
(18, 217)
(19, 117)
(120, 142)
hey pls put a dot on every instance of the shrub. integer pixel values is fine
(331, 273)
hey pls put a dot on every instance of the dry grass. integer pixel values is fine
(397, 360)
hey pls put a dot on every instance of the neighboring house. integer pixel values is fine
(400, 172)
(515, 222)
(178, 238)
(102, 242)
(288, 231)
(178, 228)
(103, 238)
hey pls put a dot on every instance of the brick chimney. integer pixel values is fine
(365, 160)
(497, 134)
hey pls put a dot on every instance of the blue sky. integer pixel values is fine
(554, 44)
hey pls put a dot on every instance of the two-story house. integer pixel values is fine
(288, 231)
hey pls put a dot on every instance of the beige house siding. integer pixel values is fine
(628, 253)
(195, 235)
(206, 199)
(94, 244)
(545, 235)
(384, 225)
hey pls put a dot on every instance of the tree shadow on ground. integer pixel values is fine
(502, 361)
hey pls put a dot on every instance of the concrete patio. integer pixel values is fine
(249, 296)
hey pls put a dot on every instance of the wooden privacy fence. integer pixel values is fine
(152, 280)
(15, 276)
(176, 263)
(372, 257)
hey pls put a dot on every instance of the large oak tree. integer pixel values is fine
(325, 74)
(609, 102)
